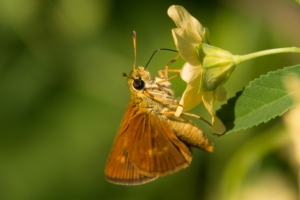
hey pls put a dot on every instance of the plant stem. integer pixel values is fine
(241, 58)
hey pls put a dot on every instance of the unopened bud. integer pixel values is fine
(217, 65)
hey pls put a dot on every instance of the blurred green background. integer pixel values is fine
(62, 97)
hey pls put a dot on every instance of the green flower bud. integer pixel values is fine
(217, 65)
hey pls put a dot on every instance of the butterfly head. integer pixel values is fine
(138, 78)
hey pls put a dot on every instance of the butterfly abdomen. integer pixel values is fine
(190, 134)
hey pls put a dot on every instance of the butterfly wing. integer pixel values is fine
(153, 147)
(119, 168)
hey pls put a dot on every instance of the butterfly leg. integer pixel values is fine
(188, 114)
(165, 80)
(164, 73)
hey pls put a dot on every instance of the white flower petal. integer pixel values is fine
(182, 18)
(194, 38)
(185, 47)
(191, 74)
(191, 96)
(208, 98)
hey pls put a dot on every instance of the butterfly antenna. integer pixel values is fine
(134, 47)
(165, 49)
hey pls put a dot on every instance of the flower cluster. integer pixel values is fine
(207, 67)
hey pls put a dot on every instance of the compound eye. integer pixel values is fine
(138, 84)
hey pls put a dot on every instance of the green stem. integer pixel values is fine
(238, 58)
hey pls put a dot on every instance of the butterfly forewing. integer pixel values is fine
(119, 169)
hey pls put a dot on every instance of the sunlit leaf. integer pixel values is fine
(264, 99)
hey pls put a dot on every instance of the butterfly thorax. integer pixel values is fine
(140, 96)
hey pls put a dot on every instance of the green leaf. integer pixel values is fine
(264, 99)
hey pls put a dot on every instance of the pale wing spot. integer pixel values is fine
(163, 151)
(150, 152)
(121, 159)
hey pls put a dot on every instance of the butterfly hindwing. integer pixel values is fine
(153, 148)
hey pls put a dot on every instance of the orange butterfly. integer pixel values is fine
(152, 141)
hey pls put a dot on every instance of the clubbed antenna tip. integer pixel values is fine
(134, 47)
